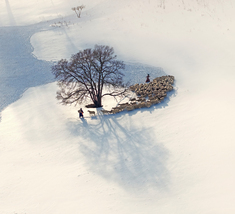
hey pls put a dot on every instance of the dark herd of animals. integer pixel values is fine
(146, 94)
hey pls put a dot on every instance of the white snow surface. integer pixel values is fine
(175, 157)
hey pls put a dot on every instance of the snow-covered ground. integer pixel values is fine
(175, 157)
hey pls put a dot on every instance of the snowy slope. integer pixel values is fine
(175, 157)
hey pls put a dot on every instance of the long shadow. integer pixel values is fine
(10, 14)
(126, 154)
(19, 69)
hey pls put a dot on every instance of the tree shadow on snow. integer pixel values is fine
(123, 153)
(10, 14)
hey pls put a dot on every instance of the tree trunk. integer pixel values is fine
(97, 102)
(77, 14)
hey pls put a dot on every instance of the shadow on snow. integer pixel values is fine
(19, 69)
(122, 152)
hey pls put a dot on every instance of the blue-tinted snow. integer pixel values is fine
(19, 69)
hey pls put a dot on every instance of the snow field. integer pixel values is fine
(175, 157)
(21, 13)
(40, 156)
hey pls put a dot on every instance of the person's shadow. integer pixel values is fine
(84, 122)
(121, 152)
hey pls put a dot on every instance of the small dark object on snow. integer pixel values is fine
(80, 111)
(147, 78)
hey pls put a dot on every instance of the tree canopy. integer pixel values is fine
(86, 75)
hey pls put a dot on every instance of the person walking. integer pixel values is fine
(80, 111)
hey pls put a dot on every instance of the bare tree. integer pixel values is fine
(79, 9)
(86, 74)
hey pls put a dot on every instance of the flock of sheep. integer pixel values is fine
(147, 94)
